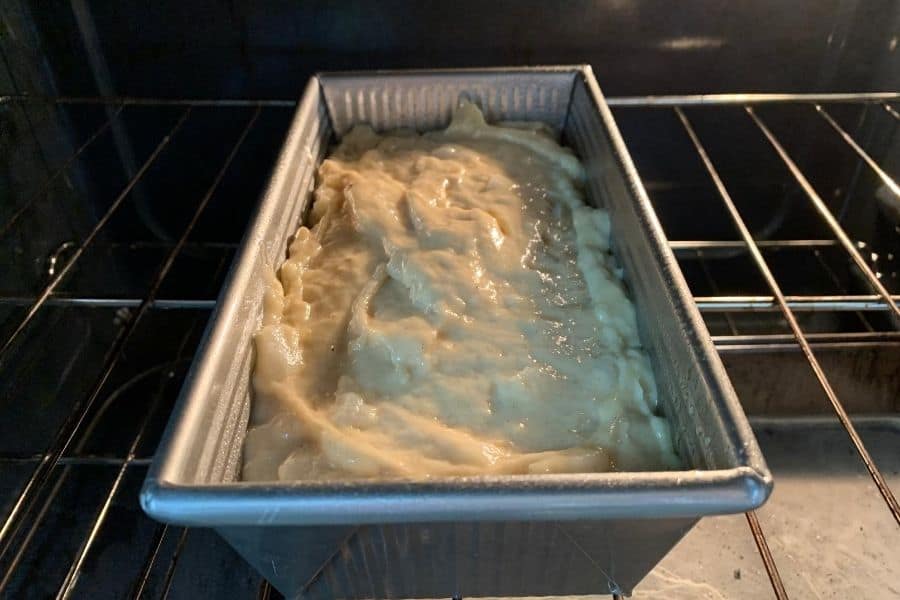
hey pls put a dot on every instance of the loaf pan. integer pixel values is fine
(459, 536)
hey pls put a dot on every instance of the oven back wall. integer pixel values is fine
(216, 48)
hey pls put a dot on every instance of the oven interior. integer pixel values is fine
(133, 150)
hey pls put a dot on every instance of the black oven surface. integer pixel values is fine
(134, 145)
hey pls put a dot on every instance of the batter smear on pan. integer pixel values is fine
(452, 308)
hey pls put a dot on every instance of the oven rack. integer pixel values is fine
(64, 455)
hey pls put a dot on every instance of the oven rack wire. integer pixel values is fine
(62, 453)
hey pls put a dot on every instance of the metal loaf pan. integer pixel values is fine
(478, 536)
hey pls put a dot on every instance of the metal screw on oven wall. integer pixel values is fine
(123, 315)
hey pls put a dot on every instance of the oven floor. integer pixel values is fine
(828, 528)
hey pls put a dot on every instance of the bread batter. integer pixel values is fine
(452, 308)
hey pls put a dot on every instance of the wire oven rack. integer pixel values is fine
(150, 342)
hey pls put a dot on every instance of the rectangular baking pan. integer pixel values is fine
(476, 536)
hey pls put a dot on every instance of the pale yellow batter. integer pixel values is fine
(452, 309)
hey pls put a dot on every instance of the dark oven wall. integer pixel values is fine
(240, 48)
(268, 49)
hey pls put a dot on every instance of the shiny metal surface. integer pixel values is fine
(671, 101)
(192, 480)
(795, 303)
(663, 101)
